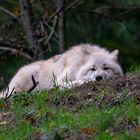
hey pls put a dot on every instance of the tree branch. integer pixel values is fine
(51, 32)
(47, 39)
(34, 84)
(9, 13)
(102, 11)
(14, 51)
(62, 8)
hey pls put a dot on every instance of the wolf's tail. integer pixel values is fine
(2, 95)
(5, 93)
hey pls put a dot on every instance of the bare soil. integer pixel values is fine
(106, 92)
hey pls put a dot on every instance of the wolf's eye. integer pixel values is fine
(106, 68)
(92, 69)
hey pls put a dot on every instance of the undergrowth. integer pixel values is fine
(70, 114)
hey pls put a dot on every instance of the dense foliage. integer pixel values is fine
(37, 29)
(110, 23)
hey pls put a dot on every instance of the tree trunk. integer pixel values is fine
(61, 18)
(26, 21)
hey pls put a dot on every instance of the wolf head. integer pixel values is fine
(100, 65)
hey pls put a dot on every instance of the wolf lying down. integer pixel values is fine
(82, 63)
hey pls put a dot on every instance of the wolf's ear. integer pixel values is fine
(114, 55)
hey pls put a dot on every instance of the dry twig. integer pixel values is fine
(16, 52)
(34, 84)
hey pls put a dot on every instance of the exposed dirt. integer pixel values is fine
(129, 82)
(128, 85)
(107, 92)
(100, 94)
(104, 93)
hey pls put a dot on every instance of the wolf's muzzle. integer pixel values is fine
(98, 78)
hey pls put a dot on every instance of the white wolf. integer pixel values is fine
(84, 62)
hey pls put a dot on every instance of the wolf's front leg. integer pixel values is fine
(71, 84)
(74, 83)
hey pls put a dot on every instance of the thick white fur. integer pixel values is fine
(79, 64)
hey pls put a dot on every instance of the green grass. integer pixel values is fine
(50, 115)
(134, 69)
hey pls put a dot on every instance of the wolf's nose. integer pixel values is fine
(98, 78)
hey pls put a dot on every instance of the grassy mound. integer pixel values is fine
(106, 110)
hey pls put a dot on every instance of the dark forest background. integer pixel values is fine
(31, 30)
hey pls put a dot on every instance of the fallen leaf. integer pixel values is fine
(138, 129)
(88, 131)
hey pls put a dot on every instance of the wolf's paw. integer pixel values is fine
(71, 84)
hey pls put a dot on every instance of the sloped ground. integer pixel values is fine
(119, 88)
(109, 92)
(100, 110)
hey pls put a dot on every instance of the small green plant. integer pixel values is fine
(134, 69)
(102, 114)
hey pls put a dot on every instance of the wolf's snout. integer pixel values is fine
(98, 78)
